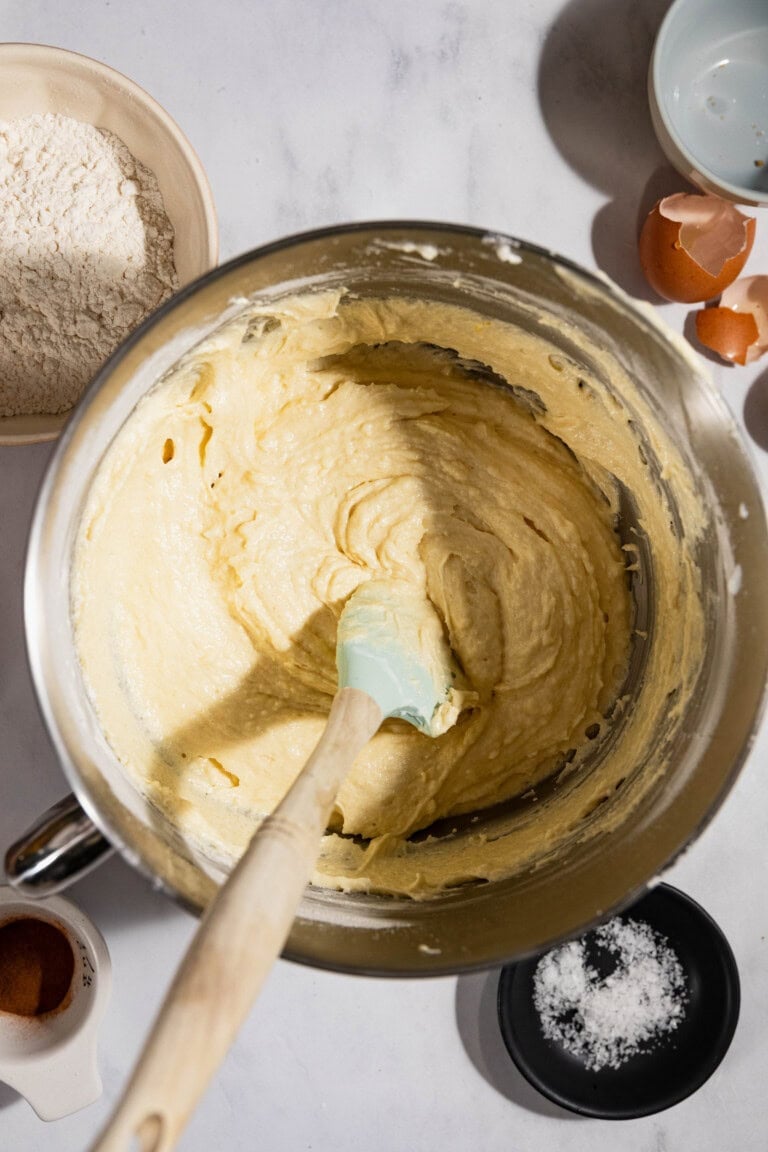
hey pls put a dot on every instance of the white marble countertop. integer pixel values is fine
(525, 116)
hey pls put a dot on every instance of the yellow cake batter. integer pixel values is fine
(317, 444)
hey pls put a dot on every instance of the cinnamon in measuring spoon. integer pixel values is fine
(36, 966)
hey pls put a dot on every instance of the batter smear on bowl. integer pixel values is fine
(323, 441)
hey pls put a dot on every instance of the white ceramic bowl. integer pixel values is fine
(35, 78)
(708, 92)
(51, 1059)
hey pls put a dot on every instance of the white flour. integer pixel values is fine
(86, 251)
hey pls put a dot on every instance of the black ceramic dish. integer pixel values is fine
(668, 1072)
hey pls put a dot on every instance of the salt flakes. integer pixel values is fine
(605, 1018)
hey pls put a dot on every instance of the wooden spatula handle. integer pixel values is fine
(238, 940)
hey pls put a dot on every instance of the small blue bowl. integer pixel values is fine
(708, 92)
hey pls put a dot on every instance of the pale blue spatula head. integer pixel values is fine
(391, 644)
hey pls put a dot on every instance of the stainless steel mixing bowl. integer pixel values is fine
(478, 924)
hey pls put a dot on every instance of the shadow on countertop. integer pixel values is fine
(592, 84)
(115, 895)
(756, 411)
(8, 1096)
(478, 1025)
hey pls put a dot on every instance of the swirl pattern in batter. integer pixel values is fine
(289, 458)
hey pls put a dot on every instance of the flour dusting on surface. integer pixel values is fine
(504, 248)
(409, 248)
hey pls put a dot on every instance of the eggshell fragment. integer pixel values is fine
(726, 332)
(750, 295)
(692, 247)
(738, 329)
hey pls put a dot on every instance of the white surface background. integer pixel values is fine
(526, 116)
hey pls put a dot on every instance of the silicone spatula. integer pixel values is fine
(393, 660)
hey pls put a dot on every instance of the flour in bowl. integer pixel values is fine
(86, 251)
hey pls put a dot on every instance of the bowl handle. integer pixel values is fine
(63, 845)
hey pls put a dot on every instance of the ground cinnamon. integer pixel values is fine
(36, 966)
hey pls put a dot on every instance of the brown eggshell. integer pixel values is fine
(720, 230)
(749, 296)
(729, 333)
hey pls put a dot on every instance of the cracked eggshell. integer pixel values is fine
(726, 332)
(692, 247)
(738, 329)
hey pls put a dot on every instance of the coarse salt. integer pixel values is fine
(605, 1018)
